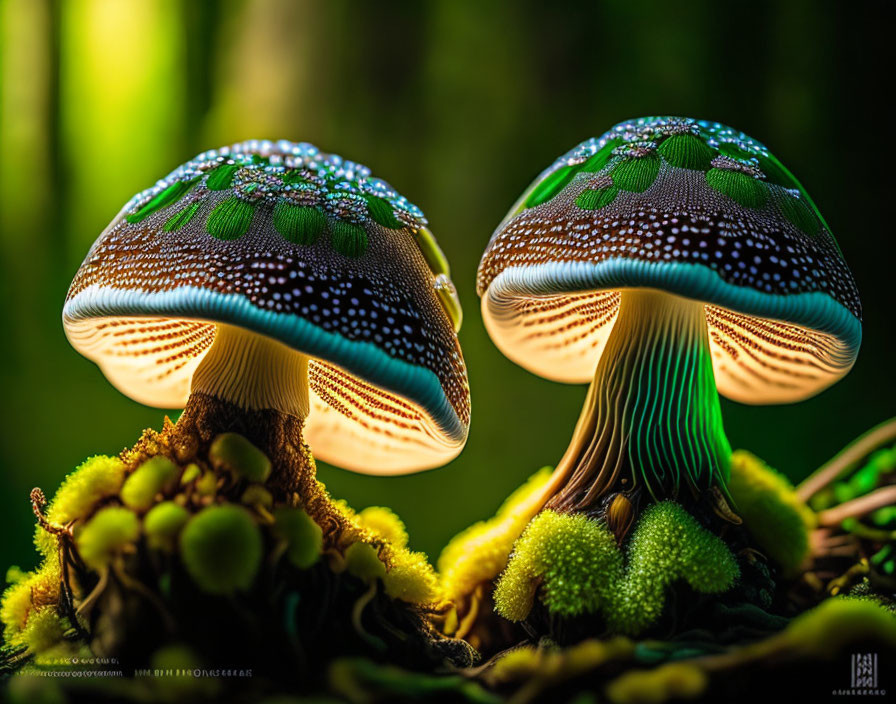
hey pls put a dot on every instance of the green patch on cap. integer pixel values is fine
(221, 178)
(777, 173)
(687, 151)
(551, 185)
(173, 193)
(636, 175)
(740, 187)
(596, 198)
(800, 214)
(181, 218)
(348, 239)
(381, 213)
(601, 157)
(298, 224)
(230, 219)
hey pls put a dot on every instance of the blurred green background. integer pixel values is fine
(458, 104)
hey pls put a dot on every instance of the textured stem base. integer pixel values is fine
(651, 420)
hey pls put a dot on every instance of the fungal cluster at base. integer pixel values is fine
(676, 190)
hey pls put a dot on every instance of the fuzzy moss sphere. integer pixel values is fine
(156, 475)
(362, 561)
(775, 516)
(304, 538)
(163, 523)
(109, 531)
(221, 547)
(384, 523)
(231, 452)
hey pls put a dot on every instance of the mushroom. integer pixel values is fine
(666, 262)
(280, 292)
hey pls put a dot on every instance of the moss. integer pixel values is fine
(95, 479)
(833, 625)
(221, 547)
(678, 680)
(231, 452)
(256, 495)
(775, 516)
(163, 524)
(555, 666)
(479, 553)
(43, 631)
(581, 570)
(109, 531)
(157, 474)
(303, 537)
(411, 578)
(384, 523)
(362, 561)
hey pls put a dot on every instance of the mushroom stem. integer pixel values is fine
(652, 415)
(254, 372)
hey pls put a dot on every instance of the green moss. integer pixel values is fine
(740, 187)
(679, 680)
(231, 452)
(687, 151)
(95, 479)
(304, 538)
(411, 578)
(384, 523)
(109, 531)
(362, 561)
(30, 593)
(157, 474)
(637, 174)
(348, 239)
(44, 629)
(581, 570)
(230, 219)
(221, 548)
(299, 224)
(163, 524)
(596, 198)
(477, 554)
(556, 666)
(256, 495)
(829, 629)
(775, 516)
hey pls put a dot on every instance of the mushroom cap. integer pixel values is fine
(686, 206)
(307, 249)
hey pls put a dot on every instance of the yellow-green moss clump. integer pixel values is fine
(95, 479)
(111, 531)
(677, 680)
(214, 515)
(575, 566)
(221, 547)
(479, 553)
(778, 520)
(378, 551)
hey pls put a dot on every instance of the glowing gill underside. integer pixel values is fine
(755, 360)
(352, 423)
